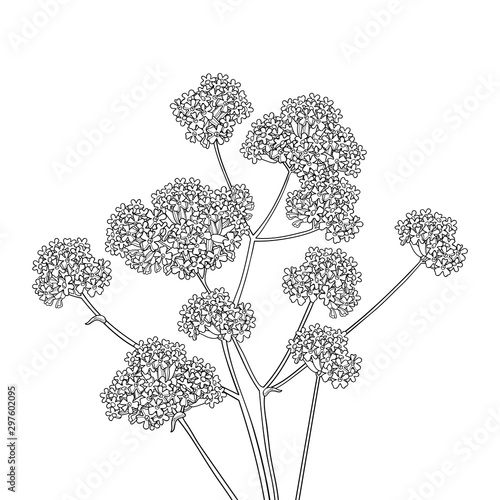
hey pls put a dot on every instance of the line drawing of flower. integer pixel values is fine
(191, 229)
(431, 236)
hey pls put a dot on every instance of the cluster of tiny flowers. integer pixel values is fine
(305, 136)
(191, 228)
(68, 268)
(432, 237)
(324, 351)
(214, 315)
(325, 201)
(212, 110)
(328, 275)
(160, 383)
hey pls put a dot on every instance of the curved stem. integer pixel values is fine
(221, 163)
(289, 236)
(290, 377)
(308, 439)
(203, 281)
(246, 269)
(231, 393)
(209, 462)
(247, 366)
(286, 357)
(267, 444)
(385, 297)
(275, 205)
(105, 322)
(248, 424)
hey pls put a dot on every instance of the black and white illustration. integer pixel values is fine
(257, 270)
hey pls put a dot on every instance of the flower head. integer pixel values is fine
(309, 140)
(431, 236)
(190, 228)
(214, 315)
(159, 384)
(325, 201)
(211, 111)
(324, 351)
(328, 275)
(67, 267)
(306, 136)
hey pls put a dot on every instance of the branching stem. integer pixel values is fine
(246, 269)
(275, 205)
(261, 469)
(247, 366)
(286, 357)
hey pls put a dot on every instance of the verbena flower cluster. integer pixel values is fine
(191, 228)
(328, 275)
(324, 351)
(304, 136)
(308, 138)
(432, 237)
(212, 110)
(160, 383)
(66, 268)
(325, 201)
(214, 315)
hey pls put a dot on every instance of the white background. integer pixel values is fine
(410, 412)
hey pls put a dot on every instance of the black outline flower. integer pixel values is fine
(328, 275)
(67, 267)
(159, 384)
(324, 351)
(190, 229)
(212, 110)
(431, 236)
(214, 315)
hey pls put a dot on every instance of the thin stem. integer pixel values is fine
(288, 236)
(105, 322)
(246, 269)
(248, 424)
(290, 377)
(209, 462)
(221, 163)
(308, 439)
(231, 393)
(203, 281)
(267, 444)
(275, 205)
(286, 357)
(385, 297)
(247, 366)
